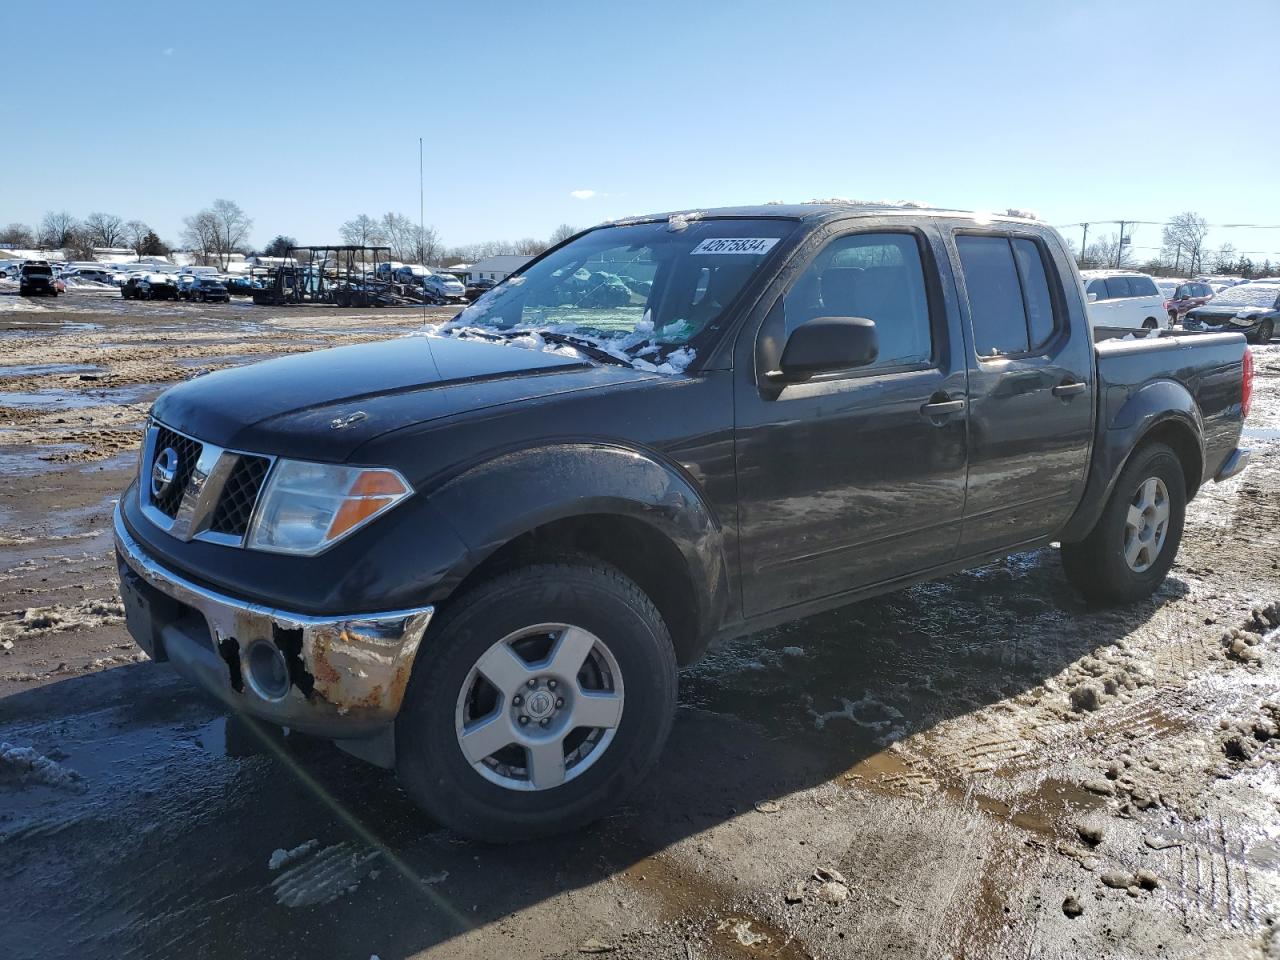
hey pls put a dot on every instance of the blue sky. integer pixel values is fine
(307, 114)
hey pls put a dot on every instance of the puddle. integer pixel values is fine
(24, 461)
(69, 399)
(1265, 434)
(40, 369)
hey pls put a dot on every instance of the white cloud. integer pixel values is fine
(582, 194)
(168, 51)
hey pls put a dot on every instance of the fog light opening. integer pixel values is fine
(268, 672)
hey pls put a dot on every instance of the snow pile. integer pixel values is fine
(28, 765)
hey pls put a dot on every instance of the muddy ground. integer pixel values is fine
(980, 767)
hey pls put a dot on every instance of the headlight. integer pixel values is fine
(308, 507)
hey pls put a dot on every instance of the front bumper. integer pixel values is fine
(342, 677)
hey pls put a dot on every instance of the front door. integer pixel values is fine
(1031, 389)
(855, 476)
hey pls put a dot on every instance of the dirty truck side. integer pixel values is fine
(480, 555)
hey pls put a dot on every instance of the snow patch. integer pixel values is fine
(280, 857)
(28, 765)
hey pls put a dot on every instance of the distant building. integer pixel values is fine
(496, 268)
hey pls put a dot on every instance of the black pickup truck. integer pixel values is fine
(480, 554)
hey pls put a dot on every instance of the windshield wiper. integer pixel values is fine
(586, 346)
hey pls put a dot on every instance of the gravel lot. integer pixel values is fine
(979, 767)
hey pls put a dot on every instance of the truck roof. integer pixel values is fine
(821, 210)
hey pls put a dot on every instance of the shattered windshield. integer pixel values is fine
(639, 292)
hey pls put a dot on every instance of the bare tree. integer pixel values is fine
(427, 245)
(401, 235)
(1223, 259)
(18, 235)
(1183, 241)
(530, 247)
(232, 229)
(362, 231)
(135, 234)
(1107, 252)
(200, 233)
(105, 230)
(58, 230)
(562, 233)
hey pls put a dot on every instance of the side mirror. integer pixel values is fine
(827, 343)
(1093, 297)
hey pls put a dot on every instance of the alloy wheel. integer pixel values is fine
(539, 707)
(1146, 525)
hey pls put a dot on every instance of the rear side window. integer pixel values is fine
(1143, 287)
(1009, 296)
(1118, 287)
(1035, 290)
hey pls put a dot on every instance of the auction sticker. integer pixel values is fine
(756, 245)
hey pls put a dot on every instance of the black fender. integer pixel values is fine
(1163, 407)
(494, 502)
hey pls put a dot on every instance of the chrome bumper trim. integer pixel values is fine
(347, 674)
(1234, 464)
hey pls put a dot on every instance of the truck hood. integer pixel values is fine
(325, 404)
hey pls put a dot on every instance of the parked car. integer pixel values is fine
(411, 273)
(150, 286)
(1121, 298)
(1185, 297)
(1168, 285)
(204, 289)
(243, 286)
(444, 288)
(1249, 308)
(89, 274)
(478, 288)
(480, 562)
(36, 278)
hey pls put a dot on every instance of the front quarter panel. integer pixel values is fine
(500, 499)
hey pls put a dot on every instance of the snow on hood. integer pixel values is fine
(531, 338)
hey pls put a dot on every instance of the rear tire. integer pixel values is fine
(539, 618)
(1131, 548)
(1266, 330)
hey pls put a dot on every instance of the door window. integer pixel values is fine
(1009, 295)
(879, 276)
(1097, 288)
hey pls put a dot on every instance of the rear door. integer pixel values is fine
(1031, 383)
(855, 476)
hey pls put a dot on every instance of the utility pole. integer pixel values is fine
(1084, 243)
(1177, 259)
(1120, 246)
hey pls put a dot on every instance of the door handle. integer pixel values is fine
(942, 408)
(1069, 389)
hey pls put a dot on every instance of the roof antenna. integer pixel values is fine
(422, 255)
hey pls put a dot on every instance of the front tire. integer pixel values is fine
(538, 701)
(1150, 324)
(1131, 548)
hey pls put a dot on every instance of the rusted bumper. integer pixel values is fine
(342, 677)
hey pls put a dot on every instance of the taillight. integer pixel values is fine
(1246, 394)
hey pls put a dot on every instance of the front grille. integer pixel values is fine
(235, 506)
(188, 451)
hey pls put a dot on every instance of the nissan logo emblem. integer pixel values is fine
(163, 471)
